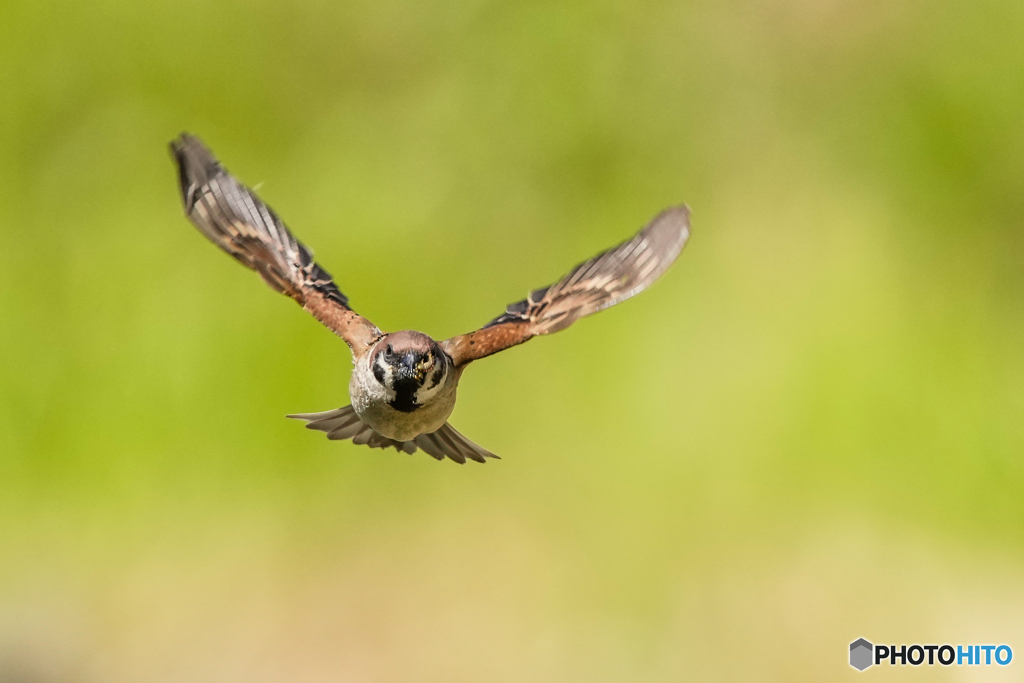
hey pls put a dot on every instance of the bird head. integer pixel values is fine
(411, 366)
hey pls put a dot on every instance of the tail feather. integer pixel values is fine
(446, 441)
(345, 431)
(343, 423)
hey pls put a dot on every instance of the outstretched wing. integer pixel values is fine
(344, 423)
(603, 281)
(235, 219)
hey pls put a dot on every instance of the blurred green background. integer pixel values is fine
(809, 431)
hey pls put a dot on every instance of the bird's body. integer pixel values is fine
(404, 384)
(397, 412)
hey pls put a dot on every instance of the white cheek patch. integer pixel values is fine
(427, 391)
(387, 372)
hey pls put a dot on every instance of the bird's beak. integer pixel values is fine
(412, 367)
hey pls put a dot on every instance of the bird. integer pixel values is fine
(403, 384)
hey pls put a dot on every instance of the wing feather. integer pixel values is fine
(602, 281)
(231, 216)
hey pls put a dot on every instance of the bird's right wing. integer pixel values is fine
(605, 280)
(234, 218)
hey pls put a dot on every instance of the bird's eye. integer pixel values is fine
(389, 351)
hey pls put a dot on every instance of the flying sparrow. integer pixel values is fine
(403, 385)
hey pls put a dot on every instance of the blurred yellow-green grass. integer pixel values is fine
(808, 432)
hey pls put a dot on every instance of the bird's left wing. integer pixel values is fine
(234, 218)
(608, 278)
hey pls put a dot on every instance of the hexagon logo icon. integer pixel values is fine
(861, 654)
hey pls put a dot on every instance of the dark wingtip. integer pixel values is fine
(196, 164)
(188, 150)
